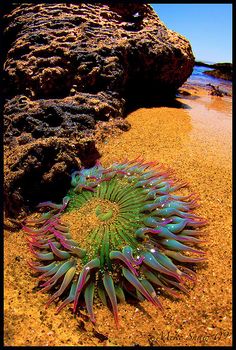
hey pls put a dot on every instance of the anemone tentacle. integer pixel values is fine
(119, 230)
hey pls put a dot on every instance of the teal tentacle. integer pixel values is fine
(110, 289)
(88, 295)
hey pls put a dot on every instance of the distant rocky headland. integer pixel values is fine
(220, 70)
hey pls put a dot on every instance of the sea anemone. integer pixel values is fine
(119, 232)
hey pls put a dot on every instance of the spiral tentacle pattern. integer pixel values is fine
(139, 241)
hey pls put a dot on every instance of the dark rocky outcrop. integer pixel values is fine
(221, 73)
(41, 169)
(216, 91)
(220, 70)
(202, 64)
(69, 68)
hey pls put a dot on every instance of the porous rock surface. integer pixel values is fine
(69, 68)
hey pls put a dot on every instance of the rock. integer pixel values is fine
(40, 170)
(184, 92)
(74, 116)
(216, 91)
(222, 73)
(201, 64)
(221, 70)
(67, 68)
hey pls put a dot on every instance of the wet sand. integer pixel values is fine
(194, 138)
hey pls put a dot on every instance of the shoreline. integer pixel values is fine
(221, 70)
(194, 138)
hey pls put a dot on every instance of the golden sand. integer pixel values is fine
(195, 139)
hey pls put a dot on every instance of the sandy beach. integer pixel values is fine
(194, 138)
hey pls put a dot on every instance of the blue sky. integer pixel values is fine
(208, 27)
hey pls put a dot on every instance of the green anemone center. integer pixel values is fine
(103, 216)
(106, 219)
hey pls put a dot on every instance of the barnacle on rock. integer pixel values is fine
(119, 231)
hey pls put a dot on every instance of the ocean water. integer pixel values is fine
(200, 79)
